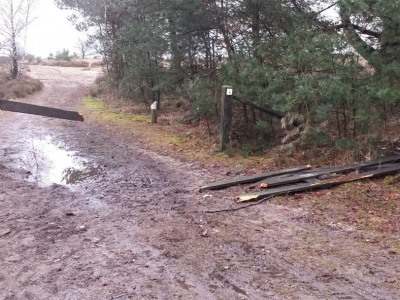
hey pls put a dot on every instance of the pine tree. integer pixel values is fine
(289, 56)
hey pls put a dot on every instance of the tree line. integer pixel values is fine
(330, 68)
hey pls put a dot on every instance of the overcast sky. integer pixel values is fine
(51, 31)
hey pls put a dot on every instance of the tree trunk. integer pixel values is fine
(14, 50)
(255, 32)
(176, 61)
(222, 23)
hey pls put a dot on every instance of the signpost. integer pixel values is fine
(154, 112)
(226, 116)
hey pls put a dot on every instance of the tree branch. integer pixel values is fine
(271, 112)
(326, 8)
(356, 41)
(237, 208)
(362, 30)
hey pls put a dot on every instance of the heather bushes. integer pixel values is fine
(18, 88)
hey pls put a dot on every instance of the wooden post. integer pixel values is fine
(154, 113)
(226, 116)
(26, 108)
(246, 117)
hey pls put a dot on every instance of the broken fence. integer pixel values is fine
(306, 178)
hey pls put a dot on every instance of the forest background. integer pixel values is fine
(329, 69)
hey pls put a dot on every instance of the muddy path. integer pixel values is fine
(88, 212)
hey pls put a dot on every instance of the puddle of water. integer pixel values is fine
(73, 175)
(184, 285)
(48, 163)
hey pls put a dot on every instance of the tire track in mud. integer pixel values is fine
(109, 199)
(135, 228)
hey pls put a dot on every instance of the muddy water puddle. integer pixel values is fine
(47, 163)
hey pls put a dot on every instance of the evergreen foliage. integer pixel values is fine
(336, 74)
(64, 55)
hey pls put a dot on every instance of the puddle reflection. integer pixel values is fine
(73, 175)
(47, 164)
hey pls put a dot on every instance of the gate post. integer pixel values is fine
(154, 113)
(226, 116)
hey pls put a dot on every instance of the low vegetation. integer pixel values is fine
(332, 76)
(370, 208)
(63, 55)
(18, 88)
(252, 148)
(73, 63)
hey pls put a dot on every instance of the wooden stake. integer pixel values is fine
(226, 116)
(154, 113)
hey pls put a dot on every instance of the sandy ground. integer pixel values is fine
(88, 212)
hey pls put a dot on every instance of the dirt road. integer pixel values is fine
(88, 212)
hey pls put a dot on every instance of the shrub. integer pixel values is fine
(30, 58)
(63, 55)
(18, 88)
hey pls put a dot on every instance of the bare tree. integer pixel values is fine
(14, 20)
(82, 47)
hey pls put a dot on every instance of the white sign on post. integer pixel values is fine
(154, 105)
(229, 92)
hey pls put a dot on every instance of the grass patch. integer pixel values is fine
(18, 88)
(189, 140)
(94, 103)
(139, 118)
(176, 140)
(99, 109)
(391, 179)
